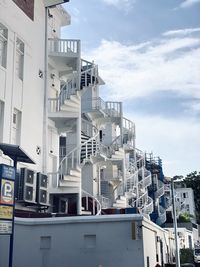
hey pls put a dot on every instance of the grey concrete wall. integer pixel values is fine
(76, 242)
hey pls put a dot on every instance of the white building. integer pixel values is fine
(50, 106)
(185, 237)
(185, 201)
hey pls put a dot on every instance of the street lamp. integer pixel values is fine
(175, 222)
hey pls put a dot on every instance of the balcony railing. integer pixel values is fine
(64, 46)
(92, 104)
(113, 109)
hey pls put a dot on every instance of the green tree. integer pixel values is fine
(186, 255)
(185, 217)
(192, 180)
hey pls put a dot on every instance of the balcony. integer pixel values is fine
(65, 54)
(64, 47)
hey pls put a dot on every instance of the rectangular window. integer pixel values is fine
(3, 45)
(185, 195)
(16, 127)
(19, 59)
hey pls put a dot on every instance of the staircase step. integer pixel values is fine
(72, 178)
(64, 183)
(86, 212)
(75, 172)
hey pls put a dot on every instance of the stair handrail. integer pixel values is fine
(161, 215)
(148, 208)
(105, 202)
(161, 190)
(115, 145)
(113, 108)
(90, 128)
(130, 126)
(95, 200)
(76, 150)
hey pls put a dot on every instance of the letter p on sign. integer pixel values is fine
(7, 192)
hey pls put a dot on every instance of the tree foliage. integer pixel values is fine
(185, 217)
(186, 255)
(192, 180)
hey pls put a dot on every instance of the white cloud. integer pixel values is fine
(181, 32)
(171, 63)
(175, 141)
(120, 4)
(189, 3)
(137, 70)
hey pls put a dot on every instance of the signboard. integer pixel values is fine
(7, 184)
(7, 171)
(7, 192)
(6, 227)
(6, 212)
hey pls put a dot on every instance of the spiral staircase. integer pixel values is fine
(66, 108)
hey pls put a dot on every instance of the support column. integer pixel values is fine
(78, 144)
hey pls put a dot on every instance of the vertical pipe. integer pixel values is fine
(45, 114)
(175, 225)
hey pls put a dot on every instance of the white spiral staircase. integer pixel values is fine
(135, 187)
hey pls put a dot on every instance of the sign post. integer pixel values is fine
(7, 202)
(7, 191)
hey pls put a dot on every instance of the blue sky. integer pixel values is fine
(148, 52)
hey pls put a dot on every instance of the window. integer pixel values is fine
(3, 45)
(187, 207)
(16, 127)
(19, 58)
(185, 195)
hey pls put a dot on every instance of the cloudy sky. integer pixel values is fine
(148, 52)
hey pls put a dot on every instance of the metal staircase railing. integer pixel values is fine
(113, 109)
(96, 204)
(162, 215)
(73, 158)
(148, 208)
(66, 46)
(128, 131)
(105, 202)
(88, 77)
(161, 190)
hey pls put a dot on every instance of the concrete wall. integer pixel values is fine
(75, 242)
(110, 241)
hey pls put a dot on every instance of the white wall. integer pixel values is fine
(27, 95)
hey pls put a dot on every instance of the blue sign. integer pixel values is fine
(7, 171)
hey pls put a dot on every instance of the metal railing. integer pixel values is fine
(162, 216)
(73, 158)
(105, 202)
(113, 109)
(148, 208)
(66, 46)
(161, 190)
(95, 203)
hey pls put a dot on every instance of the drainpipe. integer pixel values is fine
(44, 160)
(45, 119)
(175, 225)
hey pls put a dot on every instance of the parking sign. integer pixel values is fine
(7, 192)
